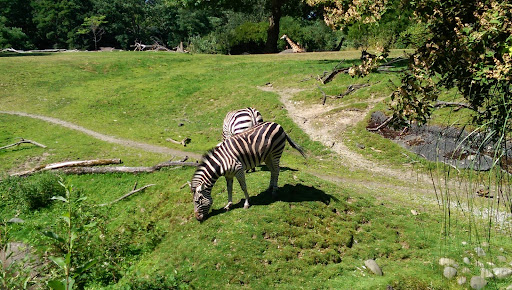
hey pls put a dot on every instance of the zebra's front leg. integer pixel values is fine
(229, 183)
(240, 175)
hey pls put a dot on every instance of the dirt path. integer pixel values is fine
(109, 138)
(328, 127)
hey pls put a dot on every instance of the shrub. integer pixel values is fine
(31, 193)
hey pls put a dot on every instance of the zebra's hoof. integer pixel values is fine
(246, 205)
(228, 206)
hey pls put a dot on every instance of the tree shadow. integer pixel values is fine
(14, 54)
(288, 193)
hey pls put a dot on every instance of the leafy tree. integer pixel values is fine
(93, 25)
(57, 21)
(272, 10)
(470, 49)
(16, 26)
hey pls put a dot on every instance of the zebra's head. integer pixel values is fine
(202, 201)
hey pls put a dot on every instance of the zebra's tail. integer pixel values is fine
(295, 146)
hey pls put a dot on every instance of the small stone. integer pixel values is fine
(446, 262)
(414, 212)
(509, 287)
(479, 251)
(466, 261)
(486, 273)
(461, 280)
(501, 259)
(464, 243)
(479, 264)
(477, 282)
(372, 265)
(502, 272)
(485, 244)
(16, 221)
(465, 270)
(449, 272)
(490, 264)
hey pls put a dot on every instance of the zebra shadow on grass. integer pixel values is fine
(288, 193)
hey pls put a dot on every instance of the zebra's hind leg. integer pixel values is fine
(273, 164)
(240, 175)
(229, 183)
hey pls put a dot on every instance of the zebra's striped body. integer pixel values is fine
(263, 143)
(239, 121)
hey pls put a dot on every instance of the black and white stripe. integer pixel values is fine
(263, 143)
(239, 121)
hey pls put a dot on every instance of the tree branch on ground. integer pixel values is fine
(381, 125)
(21, 142)
(183, 142)
(134, 190)
(68, 164)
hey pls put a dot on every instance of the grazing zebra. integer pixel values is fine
(262, 143)
(239, 121)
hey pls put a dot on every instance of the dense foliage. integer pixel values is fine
(469, 49)
(229, 27)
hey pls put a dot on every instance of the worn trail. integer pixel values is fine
(108, 138)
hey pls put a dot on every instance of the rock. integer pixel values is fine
(479, 264)
(465, 270)
(486, 273)
(466, 261)
(501, 259)
(479, 251)
(414, 212)
(447, 262)
(509, 287)
(464, 243)
(16, 221)
(372, 265)
(477, 282)
(502, 272)
(461, 280)
(449, 272)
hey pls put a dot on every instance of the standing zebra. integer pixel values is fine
(262, 143)
(239, 121)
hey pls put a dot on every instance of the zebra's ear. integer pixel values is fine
(199, 188)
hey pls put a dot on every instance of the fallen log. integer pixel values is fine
(125, 169)
(134, 190)
(68, 164)
(21, 142)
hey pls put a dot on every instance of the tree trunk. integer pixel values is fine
(273, 28)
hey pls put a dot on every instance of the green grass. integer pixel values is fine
(316, 235)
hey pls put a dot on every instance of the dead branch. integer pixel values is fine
(352, 88)
(183, 142)
(68, 164)
(440, 104)
(381, 125)
(23, 141)
(327, 77)
(128, 194)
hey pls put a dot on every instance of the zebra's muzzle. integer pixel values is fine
(199, 216)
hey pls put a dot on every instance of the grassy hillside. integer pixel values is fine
(330, 217)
